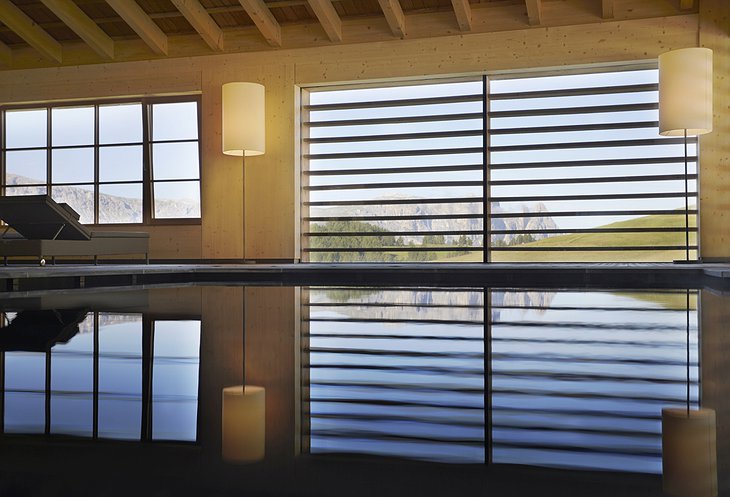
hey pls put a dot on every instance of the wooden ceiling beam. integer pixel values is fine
(201, 21)
(686, 4)
(607, 9)
(142, 24)
(462, 9)
(82, 25)
(395, 17)
(264, 20)
(328, 18)
(28, 30)
(534, 12)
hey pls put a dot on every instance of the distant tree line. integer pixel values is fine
(375, 237)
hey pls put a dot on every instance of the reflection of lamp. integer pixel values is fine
(689, 455)
(243, 128)
(685, 102)
(244, 415)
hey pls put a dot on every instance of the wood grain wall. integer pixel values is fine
(271, 198)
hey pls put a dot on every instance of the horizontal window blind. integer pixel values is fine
(545, 168)
(578, 171)
(393, 173)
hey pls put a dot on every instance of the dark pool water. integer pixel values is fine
(446, 377)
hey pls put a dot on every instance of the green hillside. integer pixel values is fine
(602, 240)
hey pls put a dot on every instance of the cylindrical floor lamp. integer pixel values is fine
(685, 103)
(244, 128)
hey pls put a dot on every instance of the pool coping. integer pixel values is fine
(712, 276)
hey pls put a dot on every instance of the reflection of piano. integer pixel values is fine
(38, 331)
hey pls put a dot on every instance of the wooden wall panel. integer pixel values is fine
(271, 341)
(714, 183)
(168, 242)
(714, 361)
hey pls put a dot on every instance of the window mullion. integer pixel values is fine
(147, 162)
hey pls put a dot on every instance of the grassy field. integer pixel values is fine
(600, 240)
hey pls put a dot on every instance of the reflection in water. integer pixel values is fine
(84, 374)
(575, 379)
(397, 373)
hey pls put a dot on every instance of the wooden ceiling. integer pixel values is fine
(47, 33)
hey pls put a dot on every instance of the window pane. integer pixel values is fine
(175, 161)
(177, 199)
(25, 167)
(72, 126)
(12, 191)
(120, 123)
(79, 197)
(120, 376)
(120, 163)
(175, 121)
(25, 380)
(72, 373)
(72, 165)
(120, 203)
(26, 128)
(175, 380)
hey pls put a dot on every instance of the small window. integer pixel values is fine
(125, 162)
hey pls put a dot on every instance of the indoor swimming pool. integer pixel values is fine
(429, 383)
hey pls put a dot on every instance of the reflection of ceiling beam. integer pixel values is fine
(82, 25)
(328, 18)
(264, 20)
(141, 23)
(394, 15)
(201, 21)
(607, 9)
(686, 4)
(6, 55)
(28, 30)
(462, 9)
(534, 12)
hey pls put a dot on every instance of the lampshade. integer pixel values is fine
(689, 454)
(685, 92)
(244, 423)
(243, 119)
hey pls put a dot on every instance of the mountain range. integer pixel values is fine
(428, 209)
(112, 208)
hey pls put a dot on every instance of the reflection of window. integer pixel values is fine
(175, 380)
(122, 162)
(571, 378)
(118, 376)
(518, 167)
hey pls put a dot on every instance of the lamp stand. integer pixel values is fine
(686, 259)
(243, 203)
(686, 202)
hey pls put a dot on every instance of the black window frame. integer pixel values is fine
(147, 181)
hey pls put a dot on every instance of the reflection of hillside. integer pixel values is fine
(419, 304)
(108, 319)
(530, 301)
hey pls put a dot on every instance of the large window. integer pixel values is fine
(525, 167)
(122, 162)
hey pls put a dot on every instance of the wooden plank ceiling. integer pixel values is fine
(47, 33)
